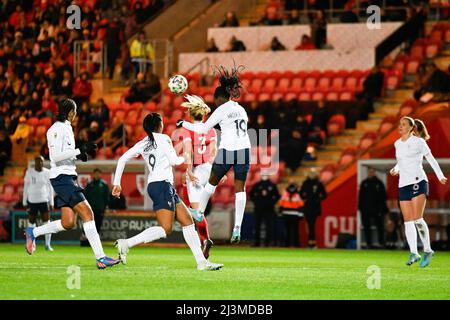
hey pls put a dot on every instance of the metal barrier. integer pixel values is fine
(87, 56)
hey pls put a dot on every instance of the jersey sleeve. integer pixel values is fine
(55, 142)
(426, 152)
(135, 151)
(170, 152)
(203, 128)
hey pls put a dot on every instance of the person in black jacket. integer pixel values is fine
(113, 44)
(372, 205)
(312, 192)
(5, 150)
(264, 195)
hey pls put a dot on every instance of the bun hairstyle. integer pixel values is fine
(230, 84)
(418, 128)
(152, 122)
(64, 108)
(197, 108)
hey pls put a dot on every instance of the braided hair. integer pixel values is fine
(64, 108)
(152, 122)
(230, 84)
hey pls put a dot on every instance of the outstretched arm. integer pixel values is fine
(201, 127)
(132, 153)
(432, 161)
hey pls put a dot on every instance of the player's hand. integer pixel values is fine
(24, 204)
(223, 180)
(192, 177)
(180, 123)
(443, 180)
(83, 157)
(116, 191)
(88, 147)
(393, 172)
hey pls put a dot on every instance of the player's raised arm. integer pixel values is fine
(432, 161)
(201, 127)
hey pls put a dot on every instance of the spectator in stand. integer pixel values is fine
(271, 17)
(319, 29)
(291, 205)
(276, 45)
(20, 141)
(82, 88)
(235, 45)
(372, 206)
(153, 84)
(264, 195)
(350, 15)
(432, 80)
(126, 65)
(113, 44)
(139, 13)
(319, 116)
(95, 132)
(139, 90)
(5, 150)
(294, 150)
(316, 136)
(293, 17)
(305, 43)
(372, 89)
(211, 46)
(64, 87)
(84, 115)
(35, 104)
(230, 20)
(49, 107)
(45, 47)
(313, 193)
(142, 53)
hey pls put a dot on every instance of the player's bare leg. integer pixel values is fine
(191, 237)
(165, 220)
(84, 210)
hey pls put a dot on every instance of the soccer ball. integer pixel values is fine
(178, 84)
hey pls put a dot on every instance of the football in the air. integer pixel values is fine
(178, 84)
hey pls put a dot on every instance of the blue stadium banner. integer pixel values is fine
(116, 225)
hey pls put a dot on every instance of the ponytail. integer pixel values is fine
(420, 129)
(152, 122)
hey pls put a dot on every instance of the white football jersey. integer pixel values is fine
(232, 119)
(61, 146)
(409, 156)
(37, 187)
(159, 160)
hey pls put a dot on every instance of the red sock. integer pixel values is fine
(202, 229)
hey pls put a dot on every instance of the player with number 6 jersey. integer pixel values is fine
(160, 156)
(234, 148)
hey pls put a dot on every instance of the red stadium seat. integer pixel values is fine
(351, 82)
(346, 96)
(120, 151)
(332, 96)
(324, 83)
(432, 49)
(304, 96)
(277, 96)
(417, 52)
(318, 96)
(284, 85)
(290, 96)
(264, 97)
(310, 83)
(269, 85)
(412, 65)
(296, 85)
(33, 122)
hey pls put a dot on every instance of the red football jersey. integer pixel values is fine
(200, 144)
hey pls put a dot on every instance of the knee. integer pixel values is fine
(167, 229)
(68, 223)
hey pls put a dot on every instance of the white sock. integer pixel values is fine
(424, 234)
(193, 241)
(51, 227)
(148, 235)
(207, 192)
(94, 239)
(411, 236)
(241, 199)
(48, 236)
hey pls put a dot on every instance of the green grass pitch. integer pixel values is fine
(249, 273)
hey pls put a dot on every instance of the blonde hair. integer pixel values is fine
(197, 108)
